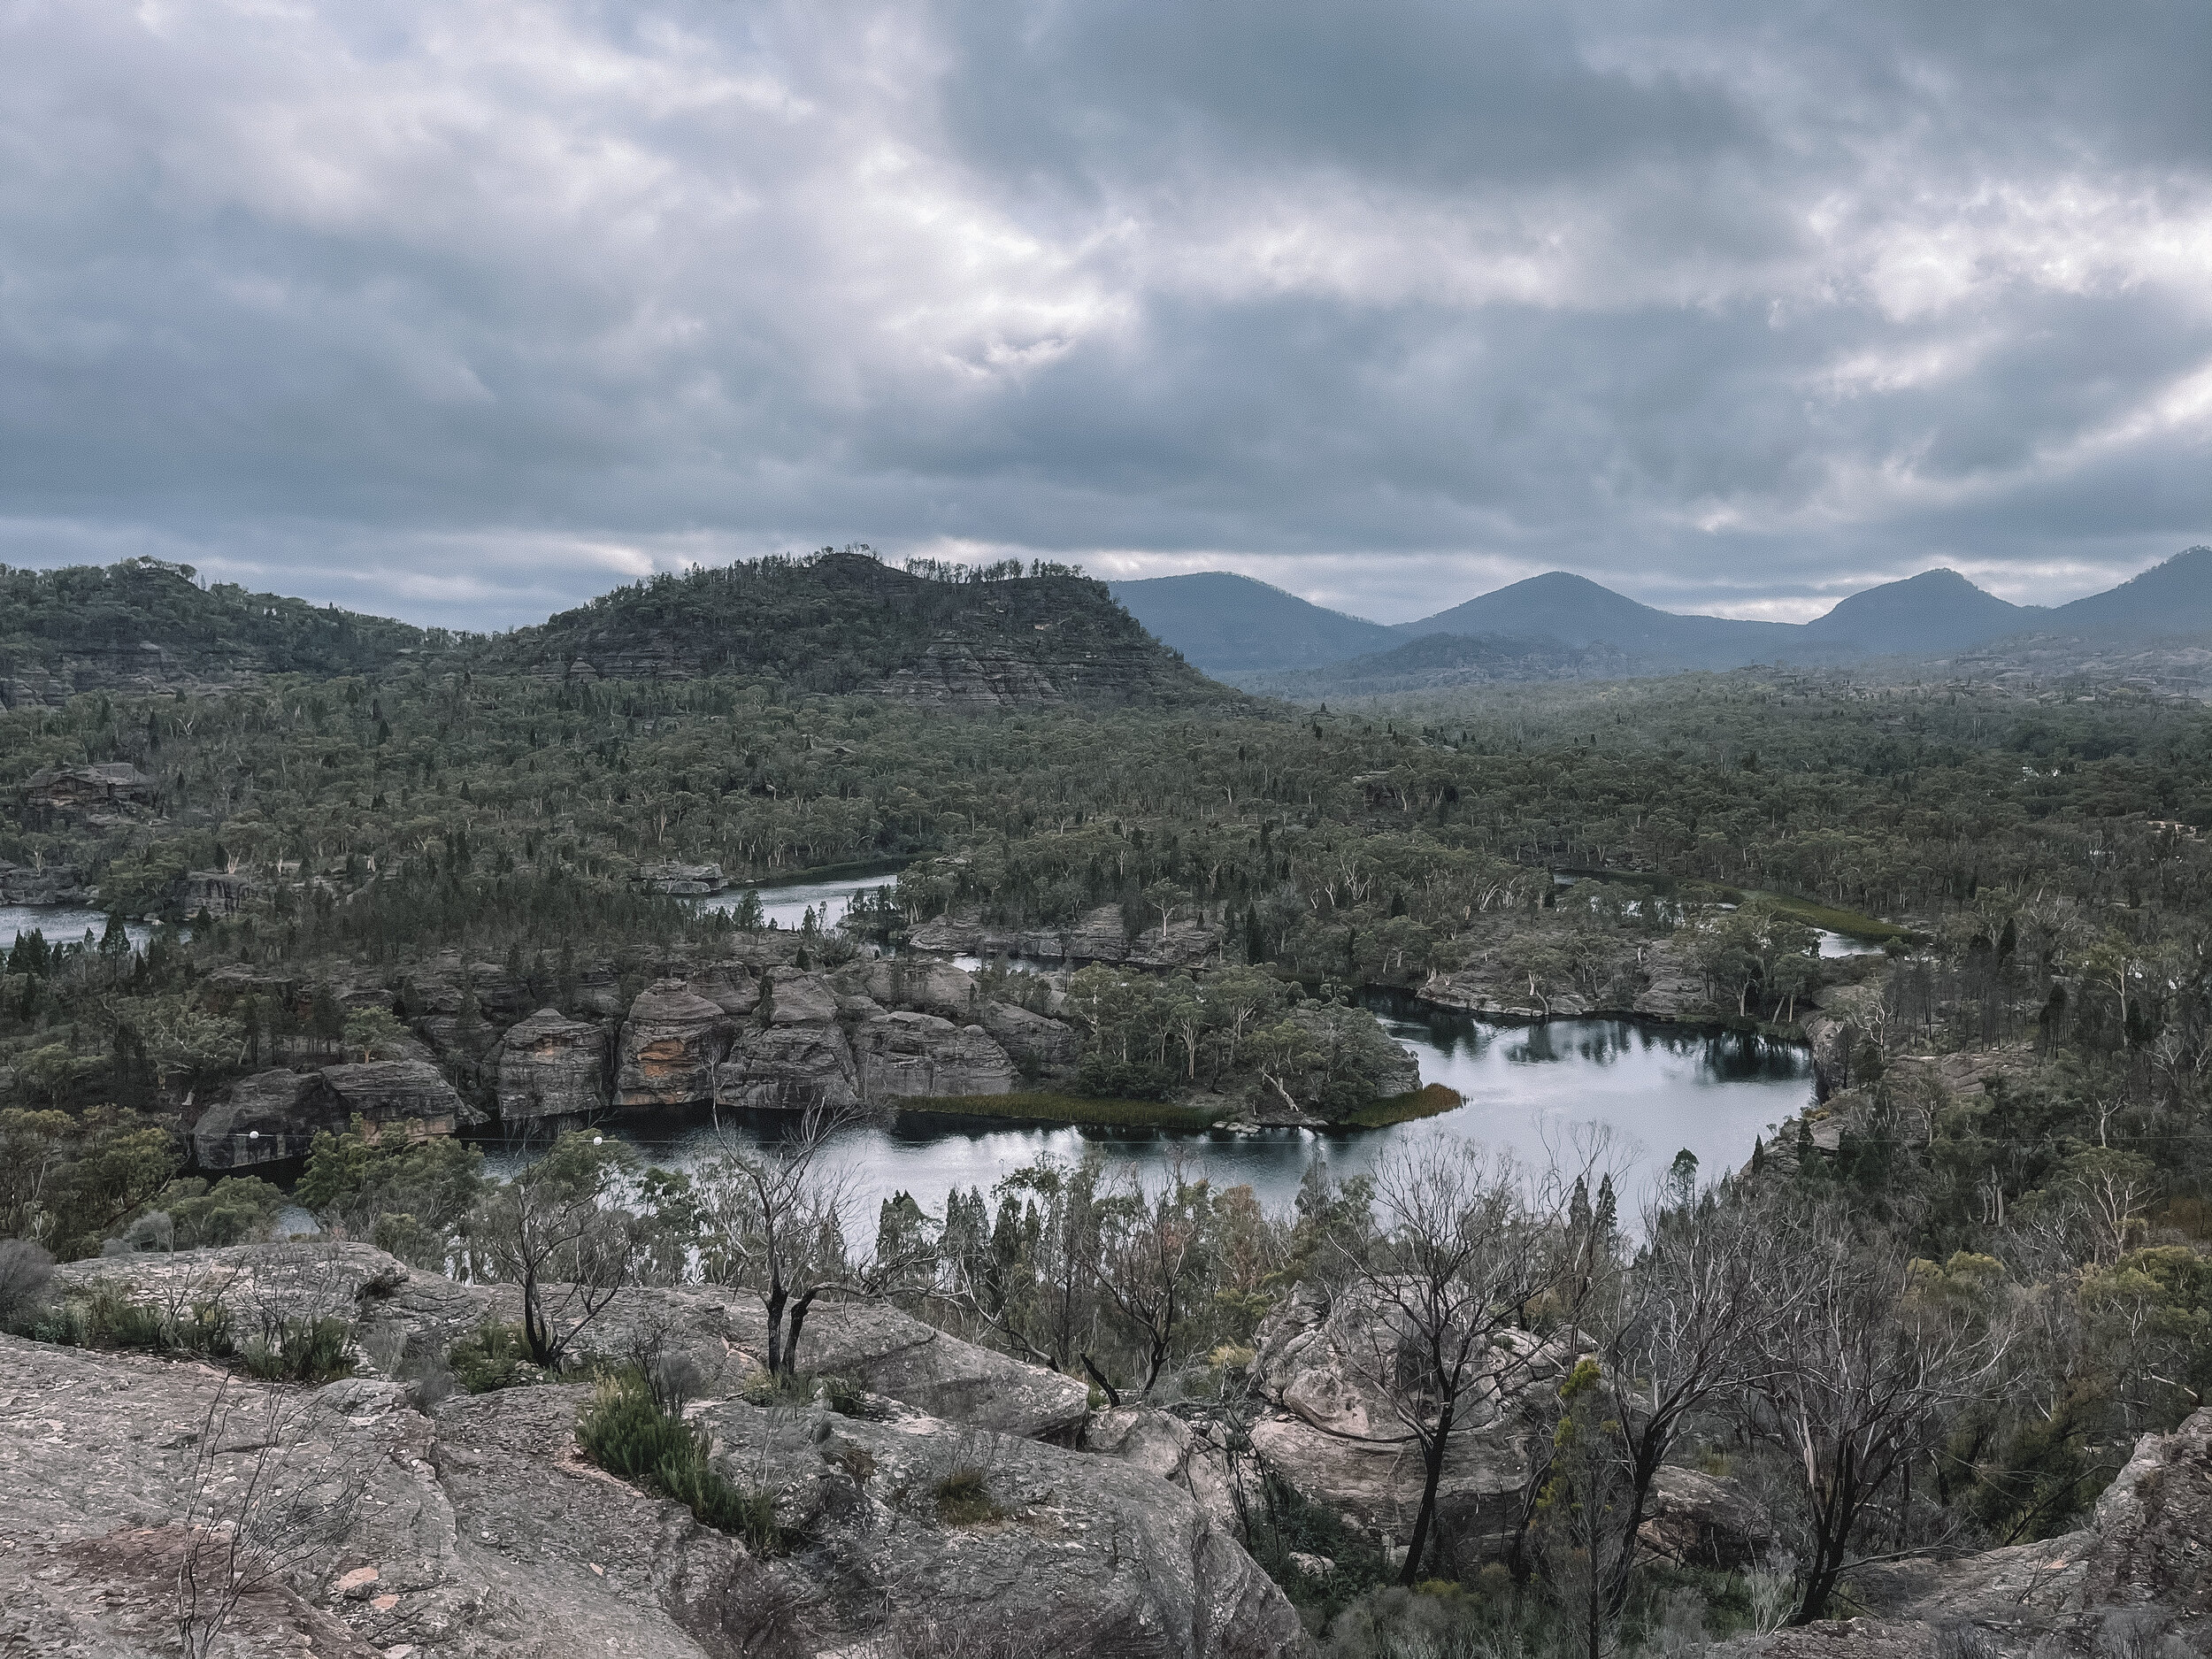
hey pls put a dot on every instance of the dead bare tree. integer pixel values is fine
(1465, 1247)
(1858, 1377)
(554, 1230)
(263, 1503)
(1148, 1264)
(1682, 1335)
(775, 1222)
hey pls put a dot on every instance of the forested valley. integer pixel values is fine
(402, 908)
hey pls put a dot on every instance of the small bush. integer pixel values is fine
(25, 1269)
(104, 1316)
(627, 1433)
(493, 1355)
(301, 1351)
(772, 1388)
(963, 1498)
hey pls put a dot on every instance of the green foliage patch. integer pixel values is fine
(625, 1431)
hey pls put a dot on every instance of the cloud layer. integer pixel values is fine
(463, 312)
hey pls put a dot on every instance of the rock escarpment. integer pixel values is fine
(671, 1041)
(1099, 935)
(552, 1066)
(1645, 978)
(475, 1528)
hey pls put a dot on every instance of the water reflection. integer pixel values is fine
(787, 905)
(62, 924)
(1532, 1089)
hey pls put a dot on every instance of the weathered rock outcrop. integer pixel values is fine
(799, 998)
(1193, 1456)
(476, 1528)
(403, 1311)
(1649, 979)
(1032, 1040)
(670, 1043)
(273, 1116)
(923, 983)
(684, 881)
(101, 789)
(787, 1068)
(552, 1066)
(218, 892)
(909, 1055)
(1099, 936)
(42, 884)
(2137, 1580)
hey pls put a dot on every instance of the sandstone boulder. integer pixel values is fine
(1074, 1555)
(787, 1068)
(800, 998)
(1326, 1430)
(919, 983)
(1192, 1456)
(670, 1043)
(736, 994)
(1034, 1041)
(552, 1066)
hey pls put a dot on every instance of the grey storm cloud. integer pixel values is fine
(465, 313)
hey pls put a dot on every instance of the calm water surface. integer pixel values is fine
(61, 924)
(1530, 1089)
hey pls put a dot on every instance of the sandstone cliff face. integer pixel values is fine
(479, 1530)
(273, 1116)
(1647, 978)
(43, 884)
(670, 1043)
(909, 1056)
(551, 1066)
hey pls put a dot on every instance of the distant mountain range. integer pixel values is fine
(1226, 623)
(1562, 625)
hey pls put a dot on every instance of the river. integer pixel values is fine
(1535, 1090)
(61, 924)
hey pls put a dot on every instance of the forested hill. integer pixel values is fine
(146, 625)
(842, 622)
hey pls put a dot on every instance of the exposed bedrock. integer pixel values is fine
(551, 1066)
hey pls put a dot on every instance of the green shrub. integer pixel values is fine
(627, 1433)
(104, 1316)
(301, 1351)
(493, 1355)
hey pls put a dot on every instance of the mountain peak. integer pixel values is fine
(2169, 599)
(1936, 612)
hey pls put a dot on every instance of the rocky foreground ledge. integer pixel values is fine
(477, 1527)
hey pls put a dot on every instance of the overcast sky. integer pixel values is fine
(465, 311)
